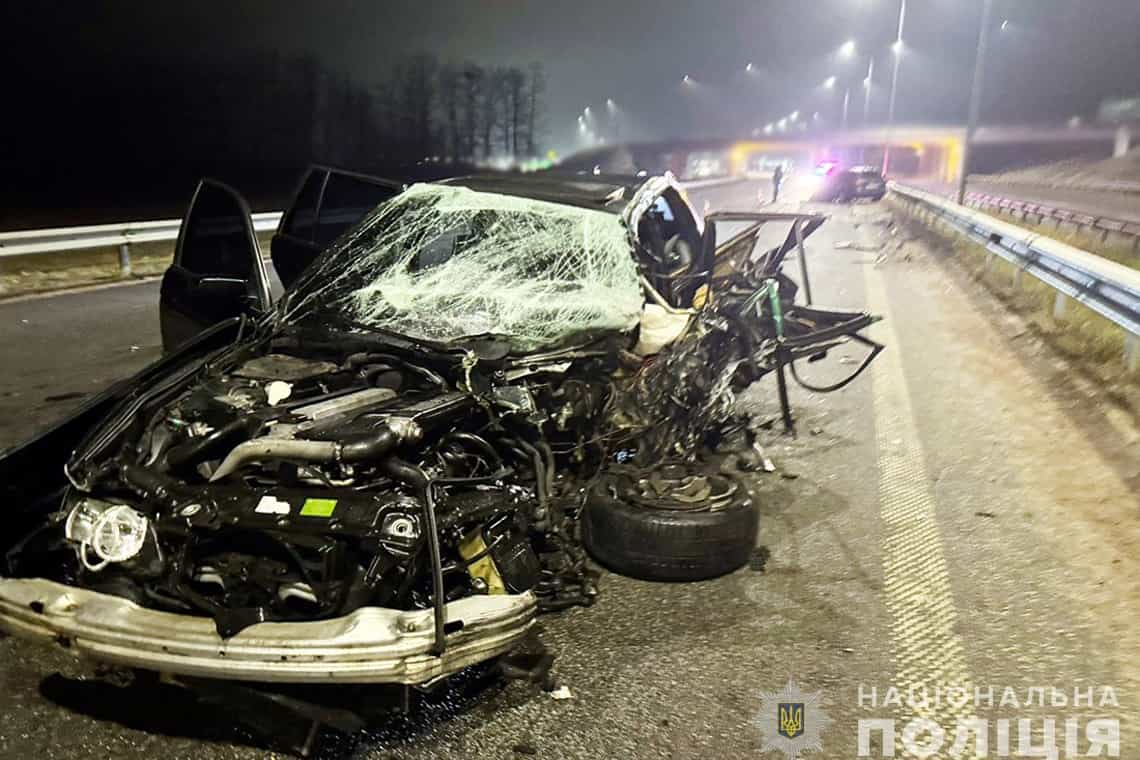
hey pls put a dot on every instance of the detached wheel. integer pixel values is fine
(667, 525)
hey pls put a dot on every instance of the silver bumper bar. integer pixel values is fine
(370, 645)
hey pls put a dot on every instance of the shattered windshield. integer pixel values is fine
(442, 263)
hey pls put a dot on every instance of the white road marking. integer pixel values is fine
(924, 644)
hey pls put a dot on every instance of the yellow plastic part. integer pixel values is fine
(483, 568)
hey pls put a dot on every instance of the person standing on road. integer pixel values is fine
(777, 180)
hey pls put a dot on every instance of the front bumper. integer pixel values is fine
(370, 645)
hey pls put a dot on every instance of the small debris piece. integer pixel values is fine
(524, 749)
(985, 514)
(562, 692)
(788, 475)
(850, 245)
(759, 559)
(765, 462)
(65, 396)
(816, 430)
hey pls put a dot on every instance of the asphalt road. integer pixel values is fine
(965, 514)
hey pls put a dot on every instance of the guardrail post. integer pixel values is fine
(1059, 303)
(125, 259)
(1132, 352)
(799, 230)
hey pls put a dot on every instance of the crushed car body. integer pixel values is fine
(385, 475)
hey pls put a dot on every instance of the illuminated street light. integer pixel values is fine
(829, 83)
(586, 110)
(897, 47)
(768, 128)
(686, 79)
(610, 104)
(1005, 25)
(748, 67)
(782, 124)
(793, 115)
(847, 49)
(975, 97)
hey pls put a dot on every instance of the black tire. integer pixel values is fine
(667, 544)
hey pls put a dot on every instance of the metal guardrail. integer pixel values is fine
(124, 234)
(121, 235)
(1103, 224)
(1105, 186)
(1110, 289)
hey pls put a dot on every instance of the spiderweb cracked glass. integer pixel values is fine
(445, 262)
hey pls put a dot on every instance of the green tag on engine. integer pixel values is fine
(318, 507)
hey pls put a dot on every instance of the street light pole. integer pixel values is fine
(867, 94)
(846, 104)
(898, 51)
(975, 96)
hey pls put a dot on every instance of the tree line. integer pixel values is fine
(462, 111)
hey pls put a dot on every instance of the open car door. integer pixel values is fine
(217, 272)
(327, 202)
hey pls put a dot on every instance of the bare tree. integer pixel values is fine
(514, 87)
(450, 81)
(489, 108)
(535, 90)
(473, 83)
(416, 79)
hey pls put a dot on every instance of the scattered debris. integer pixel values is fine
(71, 395)
(850, 245)
(985, 514)
(759, 559)
(562, 692)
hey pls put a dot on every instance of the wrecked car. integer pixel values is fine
(382, 476)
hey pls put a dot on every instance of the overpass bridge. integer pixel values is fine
(916, 150)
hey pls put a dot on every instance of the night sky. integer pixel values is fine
(1056, 59)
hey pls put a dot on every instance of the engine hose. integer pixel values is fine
(197, 450)
(431, 376)
(150, 485)
(275, 448)
(540, 481)
(875, 349)
(475, 440)
(548, 453)
(414, 477)
(367, 449)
